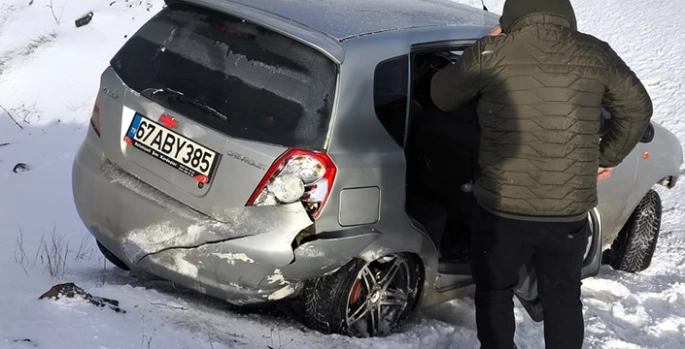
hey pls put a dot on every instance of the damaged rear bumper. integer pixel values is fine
(225, 270)
(251, 259)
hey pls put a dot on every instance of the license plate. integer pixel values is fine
(167, 146)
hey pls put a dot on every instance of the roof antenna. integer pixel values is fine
(484, 7)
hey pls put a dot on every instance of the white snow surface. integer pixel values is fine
(49, 75)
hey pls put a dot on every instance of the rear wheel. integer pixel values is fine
(634, 246)
(112, 258)
(364, 299)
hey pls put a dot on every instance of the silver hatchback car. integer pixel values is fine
(264, 150)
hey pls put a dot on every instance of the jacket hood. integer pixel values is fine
(515, 10)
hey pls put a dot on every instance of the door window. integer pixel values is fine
(390, 96)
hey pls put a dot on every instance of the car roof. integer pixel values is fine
(345, 19)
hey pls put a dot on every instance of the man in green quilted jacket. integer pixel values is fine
(540, 85)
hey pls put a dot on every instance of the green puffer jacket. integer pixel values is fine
(541, 87)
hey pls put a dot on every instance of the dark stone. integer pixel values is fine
(84, 20)
(70, 290)
(20, 167)
(26, 341)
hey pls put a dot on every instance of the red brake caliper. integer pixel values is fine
(356, 292)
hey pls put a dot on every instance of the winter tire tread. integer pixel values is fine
(633, 249)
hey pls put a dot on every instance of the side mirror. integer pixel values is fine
(648, 136)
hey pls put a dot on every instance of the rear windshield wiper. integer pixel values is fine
(180, 96)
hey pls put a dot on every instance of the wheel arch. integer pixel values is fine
(417, 244)
(660, 160)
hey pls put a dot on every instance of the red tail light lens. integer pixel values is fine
(297, 175)
(95, 116)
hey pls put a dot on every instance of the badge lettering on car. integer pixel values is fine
(109, 93)
(246, 160)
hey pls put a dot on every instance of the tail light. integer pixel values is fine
(297, 175)
(95, 116)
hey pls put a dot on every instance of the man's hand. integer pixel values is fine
(497, 30)
(603, 173)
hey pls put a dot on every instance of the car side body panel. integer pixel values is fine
(639, 172)
(367, 156)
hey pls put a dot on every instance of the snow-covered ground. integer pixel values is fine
(49, 74)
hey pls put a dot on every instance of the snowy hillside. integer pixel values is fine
(49, 75)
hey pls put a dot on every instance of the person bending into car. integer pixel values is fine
(540, 85)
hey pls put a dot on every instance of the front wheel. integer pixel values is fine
(364, 299)
(635, 244)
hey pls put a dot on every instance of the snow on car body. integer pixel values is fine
(260, 150)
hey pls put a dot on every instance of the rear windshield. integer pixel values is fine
(235, 76)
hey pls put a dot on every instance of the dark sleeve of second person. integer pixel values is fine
(457, 84)
(631, 111)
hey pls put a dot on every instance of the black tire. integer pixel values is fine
(112, 258)
(635, 244)
(327, 299)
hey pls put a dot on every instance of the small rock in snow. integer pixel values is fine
(84, 20)
(26, 341)
(70, 290)
(20, 167)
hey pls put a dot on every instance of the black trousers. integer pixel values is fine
(499, 248)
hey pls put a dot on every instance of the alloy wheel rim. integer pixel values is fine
(378, 297)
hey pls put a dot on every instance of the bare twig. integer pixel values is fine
(36, 43)
(149, 339)
(19, 252)
(54, 254)
(85, 248)
(209, 336)
(11, 117)
(42, 241)
(145, 339)
(103, 274)
(64, 261)
(280, 343)
(52, 10)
